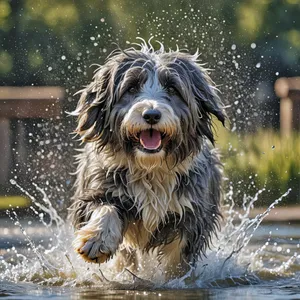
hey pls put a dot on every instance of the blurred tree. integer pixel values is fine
(246, 42)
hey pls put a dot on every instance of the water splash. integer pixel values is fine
(50, 260)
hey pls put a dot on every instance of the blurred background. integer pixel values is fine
(46, 54)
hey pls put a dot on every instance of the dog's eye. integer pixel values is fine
(133, 90)
(171, 90)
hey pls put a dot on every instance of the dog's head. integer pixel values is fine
(149, 105)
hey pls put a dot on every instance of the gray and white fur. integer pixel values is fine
(148, 178)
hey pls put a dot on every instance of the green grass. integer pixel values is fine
(7, 202)
(251, 162)
(262, 159)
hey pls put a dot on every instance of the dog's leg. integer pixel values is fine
(100, 237)
(126, 258)
(172, 259)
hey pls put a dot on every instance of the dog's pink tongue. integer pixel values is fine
(150, 139)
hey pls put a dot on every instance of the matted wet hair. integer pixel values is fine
(175, 192)
(181, 70)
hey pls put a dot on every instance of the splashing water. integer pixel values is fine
(45, 255)
(48, 258)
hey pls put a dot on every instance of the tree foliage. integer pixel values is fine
(246, 42)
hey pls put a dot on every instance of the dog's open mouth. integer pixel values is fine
(150, 140)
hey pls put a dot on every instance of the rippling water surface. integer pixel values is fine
(248, 259)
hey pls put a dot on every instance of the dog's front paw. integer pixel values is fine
(100, 238)
(91, 250)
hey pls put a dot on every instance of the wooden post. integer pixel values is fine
(288, 89)
(22, 103)
(5, 160)
(286, 116)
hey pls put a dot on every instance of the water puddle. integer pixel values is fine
(42, 253)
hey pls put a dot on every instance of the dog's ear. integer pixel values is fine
(90, 117)
(92, 108)
(209, 104)
(207, 99)
(212, 103)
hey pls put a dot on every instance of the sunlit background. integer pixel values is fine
(48, 51)
(247, 44)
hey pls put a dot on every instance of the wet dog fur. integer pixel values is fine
(147, 184)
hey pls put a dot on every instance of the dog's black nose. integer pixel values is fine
(152, 116)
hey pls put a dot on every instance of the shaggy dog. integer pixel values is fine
(148, 179)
